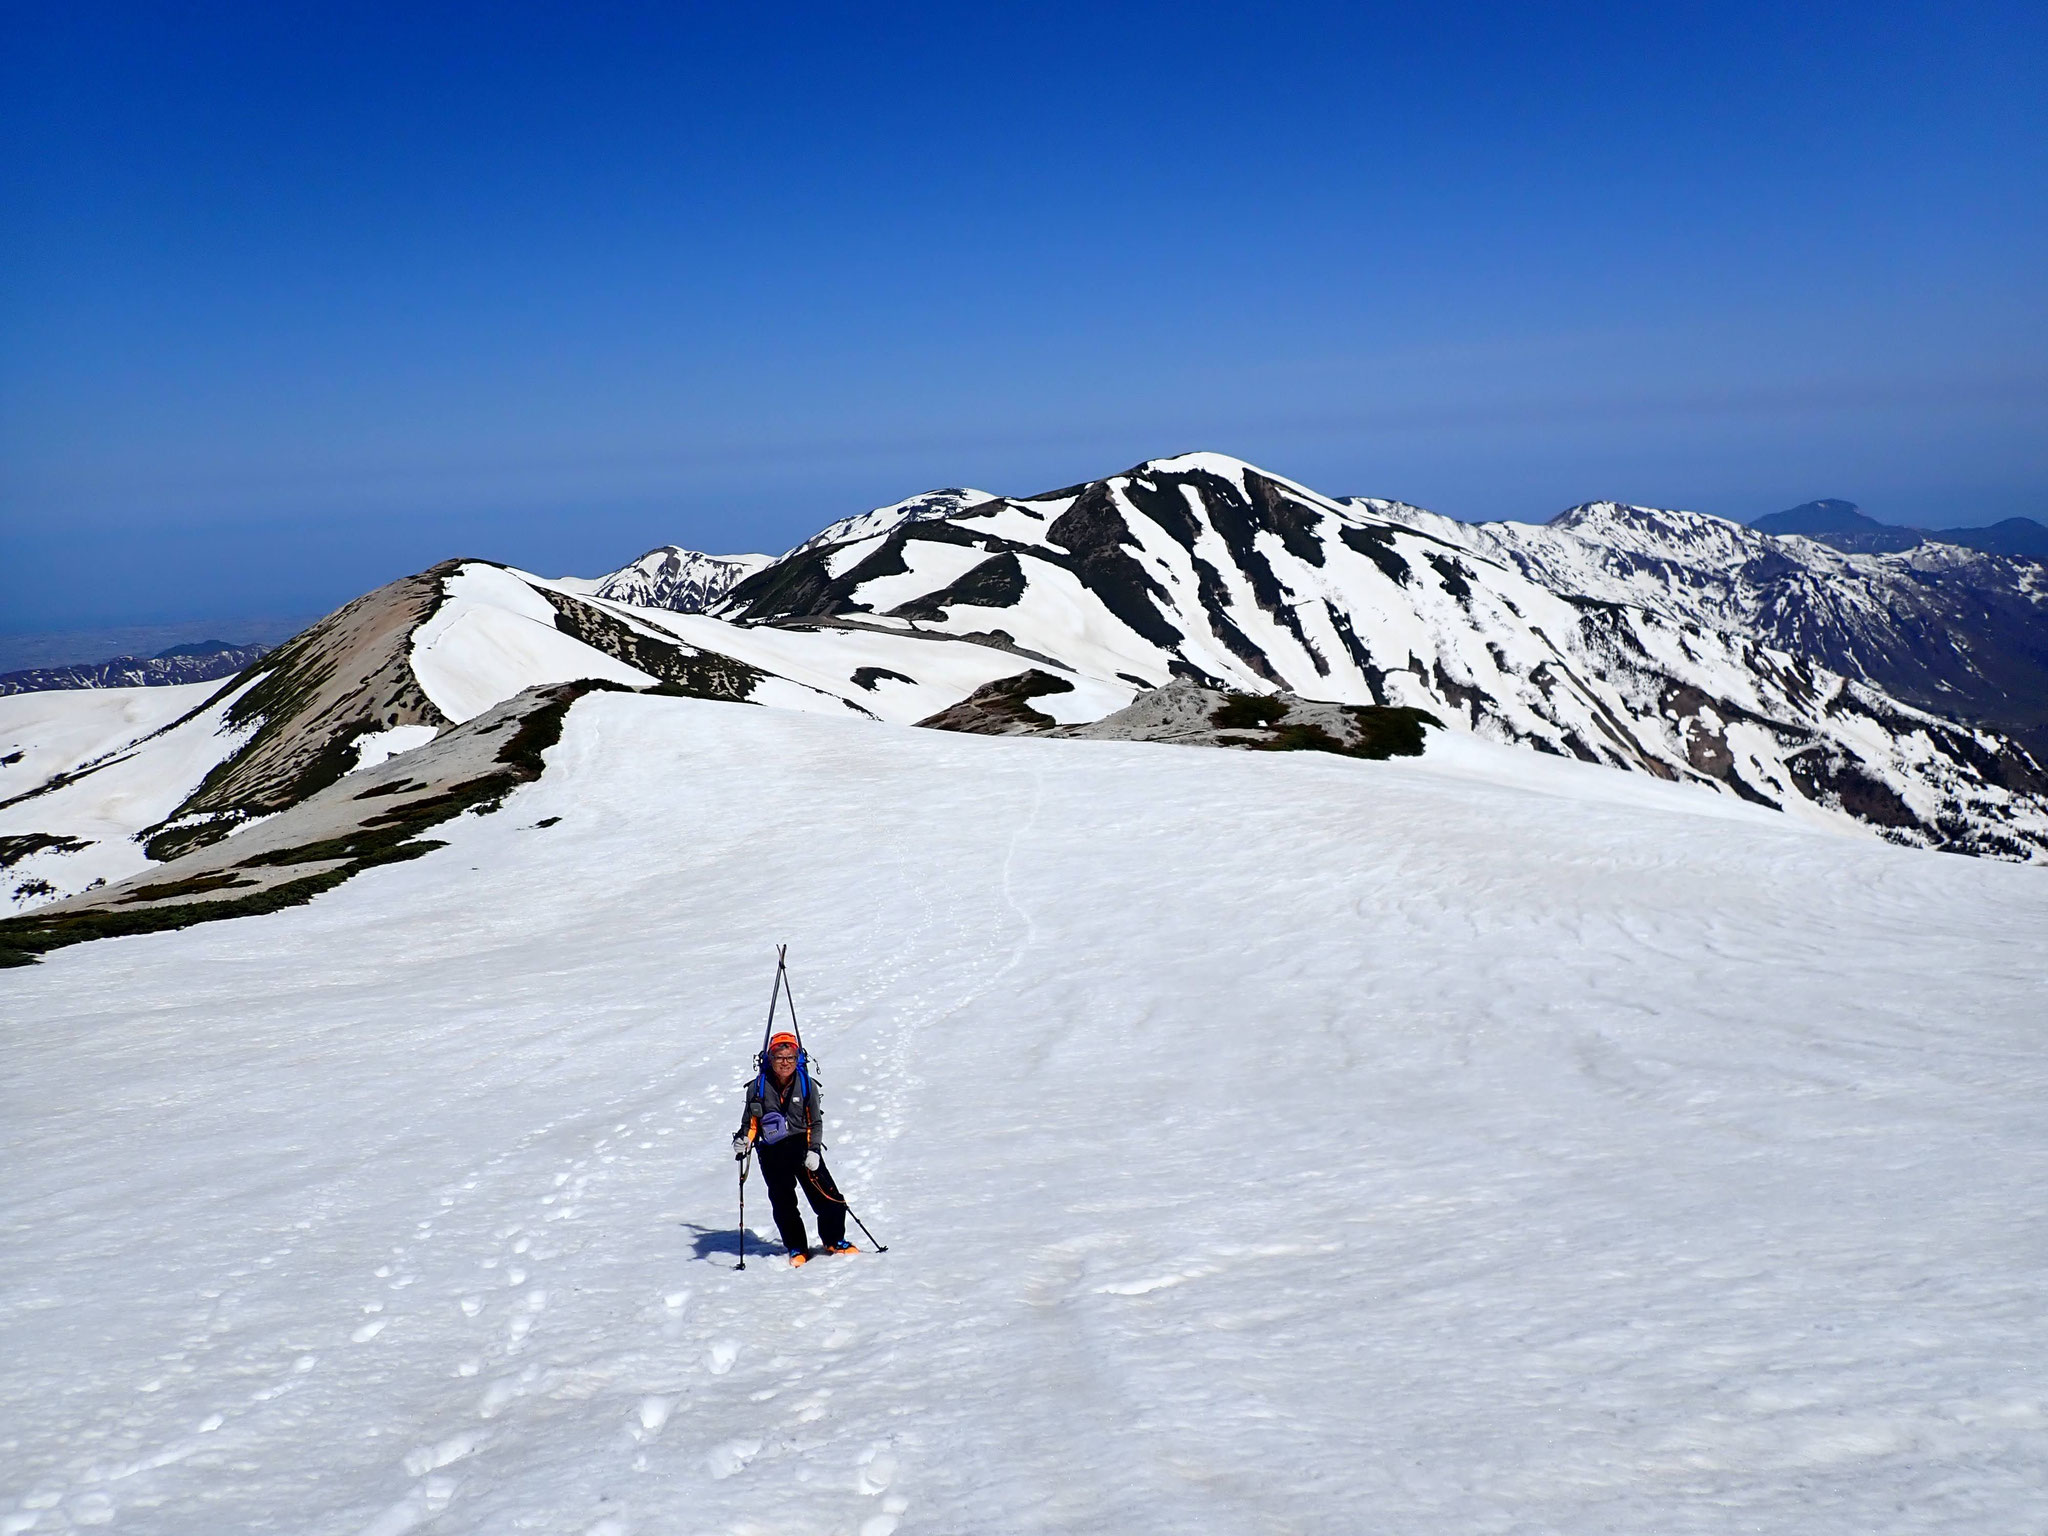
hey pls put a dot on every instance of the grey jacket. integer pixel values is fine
(805, 1116)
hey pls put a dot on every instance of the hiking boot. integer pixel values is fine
(798, 1258)
(842, 1246)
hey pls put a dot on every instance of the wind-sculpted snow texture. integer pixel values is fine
(1484, 1142)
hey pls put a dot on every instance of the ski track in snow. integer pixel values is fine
(1262, 1144)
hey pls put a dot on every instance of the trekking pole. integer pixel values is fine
(745, 1163)
(840, 1201)
(880, 1246)
(743, 1206)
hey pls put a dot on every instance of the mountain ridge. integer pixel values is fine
(1845, 526)
(1666, 643)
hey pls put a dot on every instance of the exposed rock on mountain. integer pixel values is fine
(1187, 714)
(1003, 707)
(305, 707)
(1190, 715)
(1584, 639)
(916, 509)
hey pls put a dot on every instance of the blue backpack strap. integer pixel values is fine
(803, 1068)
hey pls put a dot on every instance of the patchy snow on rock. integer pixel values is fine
(382, 746)
(101, 766)
(932, 504)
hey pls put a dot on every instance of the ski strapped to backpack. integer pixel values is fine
(803, 1059)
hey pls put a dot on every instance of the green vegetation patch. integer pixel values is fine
(192, 885)
(680, 671)
(868, 677)
(14, 849)
(1248, 712)
(1377, 731)
(1386, 730)
(25, 940)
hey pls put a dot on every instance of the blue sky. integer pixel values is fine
(299, 298)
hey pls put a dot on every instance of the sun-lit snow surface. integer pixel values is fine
(144, 778)
(1269, 1144)
(494, 635)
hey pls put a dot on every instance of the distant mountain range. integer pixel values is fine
(1197, 599)
(1845, 526)
(199, 661)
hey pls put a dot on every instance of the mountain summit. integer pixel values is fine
(1686, 648)
(1845, 526)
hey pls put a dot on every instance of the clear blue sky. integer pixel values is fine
(298, 298)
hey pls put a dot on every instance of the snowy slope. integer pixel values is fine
(914, 509)
(58, 731)
(493, 635)
(97, 768)
(1486, 1142)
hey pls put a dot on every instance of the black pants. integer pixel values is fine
(782, 1169)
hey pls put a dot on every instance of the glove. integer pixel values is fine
(812, 1161)
(741, 1146)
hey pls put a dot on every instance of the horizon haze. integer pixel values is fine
(300, 303)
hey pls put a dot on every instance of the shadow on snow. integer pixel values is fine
(709, 1241)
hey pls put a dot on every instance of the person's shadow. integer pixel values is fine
(723, 1240)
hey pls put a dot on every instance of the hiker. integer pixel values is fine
(782, 1120)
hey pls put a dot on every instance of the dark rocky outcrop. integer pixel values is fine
(1003, 707)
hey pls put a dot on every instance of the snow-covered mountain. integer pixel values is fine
(1209, 569)
(190, 663)
(677, 578)
(1958, 632)
(1668, 644)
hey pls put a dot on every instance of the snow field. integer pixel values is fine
(59, 729)
(1484, 1143)
(62, 730)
